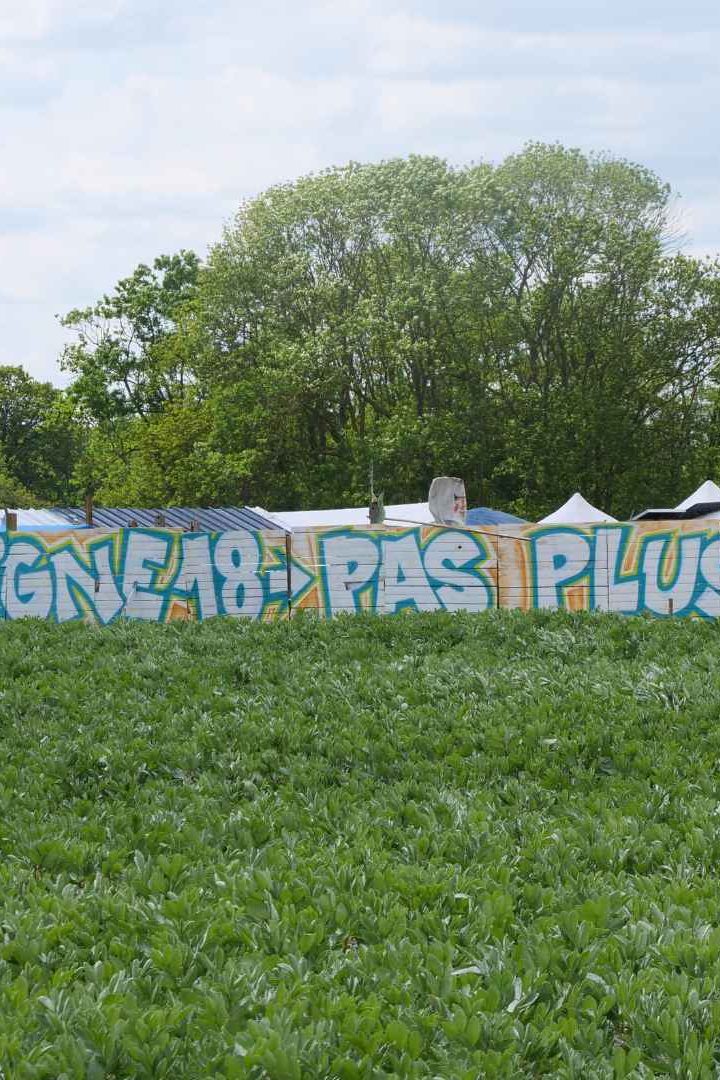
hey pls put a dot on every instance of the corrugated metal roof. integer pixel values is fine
(209, 519)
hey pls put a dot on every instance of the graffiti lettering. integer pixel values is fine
(406, 583)
(80, 589)
(381, 572)
(622, 590)
(146, 557)
(560, 557)
(158, 574)
(237, 561)
(708, 600)
(349, 566)
(452, 559)
(28, 581)
(669, 569)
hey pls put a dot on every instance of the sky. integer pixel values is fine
(133, 128)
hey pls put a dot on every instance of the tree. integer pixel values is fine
(39, 437)
(132, 364)
(12, 493)
(526, 326)
(332, 306)
(604, 342)
(521, 326)
(133, 353)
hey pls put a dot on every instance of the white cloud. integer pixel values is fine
(33, 20)
(171, 136)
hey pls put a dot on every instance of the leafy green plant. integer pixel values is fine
(413, 846)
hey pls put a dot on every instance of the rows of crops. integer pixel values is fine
(414, 846)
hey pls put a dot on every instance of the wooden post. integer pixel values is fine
(10, 521)
(671, 607)
(89, 510)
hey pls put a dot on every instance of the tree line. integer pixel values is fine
(531, 326)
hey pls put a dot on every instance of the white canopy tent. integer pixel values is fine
(576, 511)
(708, 492)
(397, 514)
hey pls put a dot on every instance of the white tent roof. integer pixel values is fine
(28, 520)
(397, 514)
(575, 511)
(708, 492)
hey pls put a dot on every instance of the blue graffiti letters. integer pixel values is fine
(237, 557)
(561, 556)
(662, 569)
(391, 572)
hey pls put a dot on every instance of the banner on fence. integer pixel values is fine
(160, 574)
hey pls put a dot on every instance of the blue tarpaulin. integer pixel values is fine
(483, 515)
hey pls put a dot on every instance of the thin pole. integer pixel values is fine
(288, 566)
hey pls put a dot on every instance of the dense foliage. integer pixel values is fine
(411, 846)
(41, 440)
(530, 326)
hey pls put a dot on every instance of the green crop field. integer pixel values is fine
(412, 846)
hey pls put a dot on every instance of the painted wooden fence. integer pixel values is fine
(662, 568)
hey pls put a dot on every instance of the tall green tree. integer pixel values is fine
(13, 494)
(40, 439)
(527, 326)
(604, 342)
(133, 349)
(522, 325)
(132, 363)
